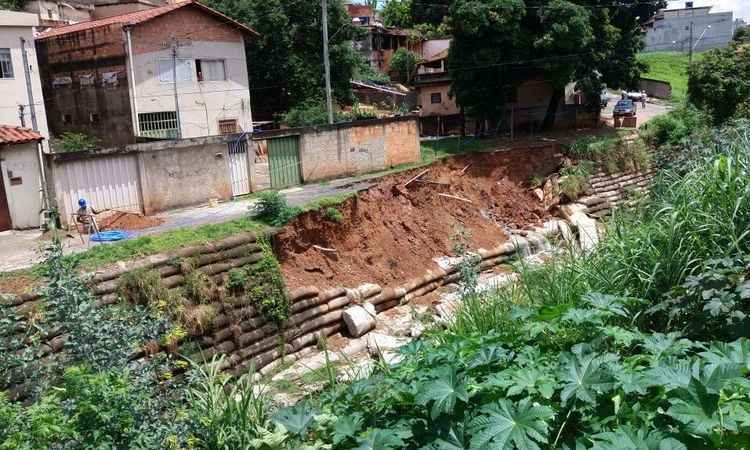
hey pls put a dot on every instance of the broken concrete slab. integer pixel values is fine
(378, 343)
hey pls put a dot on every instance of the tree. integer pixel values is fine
(285, 64)
(404, 63)
(397, 13)
(13, 5)
(742, 35)
(500, 43)
(720, 83)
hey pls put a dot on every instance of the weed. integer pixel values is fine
(266, 289)
(236, 280)
(574, 181)
(333, 215)
(199, 288)
(142, 287)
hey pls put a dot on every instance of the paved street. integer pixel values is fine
(654, 108)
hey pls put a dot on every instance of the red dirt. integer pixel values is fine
(19, 283)
(121, 220)
(391, 233)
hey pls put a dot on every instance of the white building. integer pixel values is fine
(21, 109)
(675, 29)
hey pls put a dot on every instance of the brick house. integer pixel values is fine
(113, 78)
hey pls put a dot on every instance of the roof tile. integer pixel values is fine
(10, 134)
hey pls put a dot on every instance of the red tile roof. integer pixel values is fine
(10, 134)
(137, 17)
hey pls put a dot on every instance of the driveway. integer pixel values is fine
(654, 108)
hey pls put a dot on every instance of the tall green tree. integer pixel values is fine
(397, 13)
(720, 84)
(497, 44)
(285, 64)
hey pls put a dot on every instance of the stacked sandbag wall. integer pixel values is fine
(608, 191)
(241, 333)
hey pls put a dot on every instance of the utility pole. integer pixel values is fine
(690, 45)
(326, 62)
(175, 44)
(29, 92)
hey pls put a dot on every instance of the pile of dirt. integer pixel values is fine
(122, 220)
(392, 232)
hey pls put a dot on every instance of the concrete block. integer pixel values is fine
(358, 320)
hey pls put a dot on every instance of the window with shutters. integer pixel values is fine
(210, 69)
(184, 68)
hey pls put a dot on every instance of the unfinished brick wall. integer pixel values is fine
(353, 148)
(96, 108)
(185, 24)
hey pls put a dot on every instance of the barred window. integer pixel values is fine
(228, 126)
(6, 64)
(158, 124)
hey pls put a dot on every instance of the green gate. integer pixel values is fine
(283, 162)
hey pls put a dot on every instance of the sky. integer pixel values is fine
(741, 8)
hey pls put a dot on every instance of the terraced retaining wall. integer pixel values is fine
(609, 191)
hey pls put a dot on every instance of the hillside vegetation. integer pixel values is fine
(671, 67)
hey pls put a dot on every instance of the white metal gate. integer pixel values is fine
(106, 182)
(239, 173)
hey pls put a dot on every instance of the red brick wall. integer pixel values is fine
(184, 23)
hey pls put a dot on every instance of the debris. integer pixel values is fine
(358, 320)
(464, 169)
(433, 182)
(419, 175)
(378, 343)
(456, 198)
(539, 193)
(324, 249)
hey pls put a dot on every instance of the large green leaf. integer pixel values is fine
(696, 408)
(661, 345)
(523, 380)
(505, 425)
(346, 427)
(628, 438)
(443, 393)
(584, 376)
(296, 419)
(378, 439)
(733, 352)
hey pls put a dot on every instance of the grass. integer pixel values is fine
(101, 255)
(671, 67)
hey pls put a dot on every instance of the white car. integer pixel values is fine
(636, 96)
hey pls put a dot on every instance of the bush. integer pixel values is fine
(266, 288)
(73, 142)
(404, 64)
(273, 209)
(236, 280)
(199, 288)
(672, 128)
(720, 82)
(142, 287)
(574, 180)
(333, 215)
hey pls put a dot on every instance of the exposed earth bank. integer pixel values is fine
(393, 231)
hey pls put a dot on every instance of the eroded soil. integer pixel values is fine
(392, 232)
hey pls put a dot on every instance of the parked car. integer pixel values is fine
(625, 108)
(636, 96)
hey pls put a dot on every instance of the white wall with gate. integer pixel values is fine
(105, 181)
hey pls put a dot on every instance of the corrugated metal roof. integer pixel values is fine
(137, 17)
(10, 134)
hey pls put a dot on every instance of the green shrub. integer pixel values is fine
(672, 128)
(273, 209)
(334, 215)
(574, 181)
(404, 64)
(73, 142)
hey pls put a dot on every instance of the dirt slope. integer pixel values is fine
(391, 233)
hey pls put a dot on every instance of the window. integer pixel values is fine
(436, 97)
(228, 126)
(210, 70)
(158, 124)
(94, 118)
(67, 118)
(6, 64)
(184, 70)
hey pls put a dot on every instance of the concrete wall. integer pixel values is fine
(13, 27)
(202, 103)
(655, 88)
(352, 148)
(168, 174)
(672, 33)
(20, 175)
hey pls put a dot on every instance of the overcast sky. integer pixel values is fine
(741, 8)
